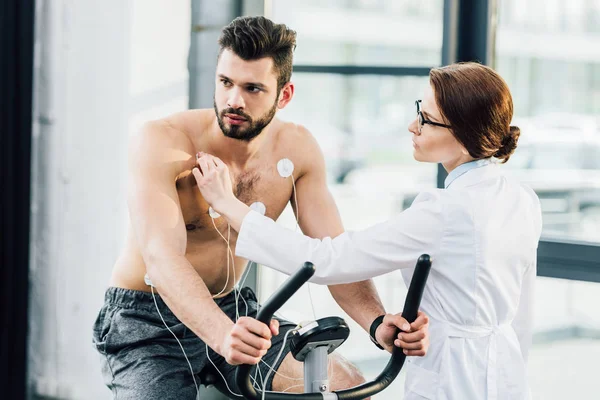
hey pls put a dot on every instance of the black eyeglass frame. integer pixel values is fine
(422, 120)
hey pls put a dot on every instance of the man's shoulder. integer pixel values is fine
(180, 129)
(297, 140)
(158, 134)
(191, 121)
(296, 135)
(169, 142)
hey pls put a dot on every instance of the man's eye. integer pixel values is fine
(253, 89)
(226, 82)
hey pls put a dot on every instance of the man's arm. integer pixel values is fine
(318, 218)
(156, 156)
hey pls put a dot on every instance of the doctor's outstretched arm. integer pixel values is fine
(349, 257)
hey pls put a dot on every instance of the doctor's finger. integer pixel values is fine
(415, 353)
(208, 157)
(422, 320)
(210, 161)
(197, 174)
(409, 346)
(411, 337)
(204, 165)
(398, 321)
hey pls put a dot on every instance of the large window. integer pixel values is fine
(360, 119)
(553, 70)
(364, 32)
(358, 101)
(552, 66)
(361, 124)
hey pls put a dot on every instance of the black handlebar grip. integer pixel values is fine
(274, 303)
(410, 311)
(287, 290)
(416, 288)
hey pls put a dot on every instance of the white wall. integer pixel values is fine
(102, 68)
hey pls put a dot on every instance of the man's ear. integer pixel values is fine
(285, 95)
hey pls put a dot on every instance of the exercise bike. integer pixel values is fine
(315, 341)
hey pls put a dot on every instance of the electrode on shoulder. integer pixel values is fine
(285, 167)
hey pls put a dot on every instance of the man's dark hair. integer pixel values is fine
(251, 38)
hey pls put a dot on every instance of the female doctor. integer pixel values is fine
(482, 231)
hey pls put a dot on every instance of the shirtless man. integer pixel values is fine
(175, 241)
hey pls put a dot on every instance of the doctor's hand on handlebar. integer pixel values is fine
(248, 341)
(413, 338)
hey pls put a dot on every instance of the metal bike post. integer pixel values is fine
(315, 371)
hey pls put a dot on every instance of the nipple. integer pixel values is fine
(285, 167)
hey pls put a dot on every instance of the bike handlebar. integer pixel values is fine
(291, 286)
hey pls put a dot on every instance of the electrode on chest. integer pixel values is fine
(258, 207)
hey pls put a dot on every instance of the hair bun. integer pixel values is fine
(509, 144)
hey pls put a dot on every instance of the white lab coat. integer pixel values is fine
(482, 233)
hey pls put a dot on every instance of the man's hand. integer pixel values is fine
(248, 341)
(414, 338)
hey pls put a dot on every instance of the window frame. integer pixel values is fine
(469, 33)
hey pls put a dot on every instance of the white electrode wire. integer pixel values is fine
(280, 374)
(245, 274)
(295, 202)
(329, 369)
(263, 380)
(178, 342)
(312, 304)
(293, 386)
(237, 294)
(217, 369)
(254, 379)
(270, 391)
(242, 282)
(236, 290)
(276, 360)
(230, 257)
(227, 255)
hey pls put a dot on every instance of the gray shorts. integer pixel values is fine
(142, 360)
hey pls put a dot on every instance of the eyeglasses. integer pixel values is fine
(421, 120)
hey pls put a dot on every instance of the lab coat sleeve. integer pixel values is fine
(351, 256)
(523, 321)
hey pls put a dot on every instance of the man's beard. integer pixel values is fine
(254, 128)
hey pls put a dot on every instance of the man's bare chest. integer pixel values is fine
(263, 189)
